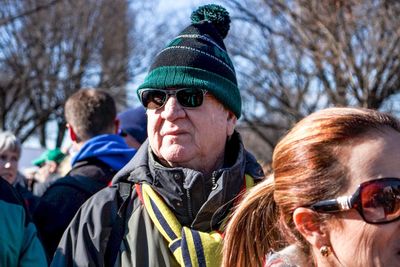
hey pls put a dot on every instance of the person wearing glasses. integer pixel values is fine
(169, 204)
(334, 198)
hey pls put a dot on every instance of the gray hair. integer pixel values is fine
(8, 141)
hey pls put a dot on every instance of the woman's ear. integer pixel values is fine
(310, 227)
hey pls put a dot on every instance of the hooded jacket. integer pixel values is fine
(197, 202)
(92, 169)
(108, 148)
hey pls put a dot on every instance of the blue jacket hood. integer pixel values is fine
(109, 148)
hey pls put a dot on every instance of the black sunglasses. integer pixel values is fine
(377, 201)
(187, 97)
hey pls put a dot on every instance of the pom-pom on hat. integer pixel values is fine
(197, 58)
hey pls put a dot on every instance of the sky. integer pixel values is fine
(178, 4)
(167, 6)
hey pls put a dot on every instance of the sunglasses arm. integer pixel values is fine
(333, 205)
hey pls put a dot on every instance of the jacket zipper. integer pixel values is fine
(213, 181)
(189, 204)
(214, 186)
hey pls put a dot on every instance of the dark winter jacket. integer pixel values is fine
(31, 201)
(19, 244)
(92, 170)
(62, 199)
(197, 202)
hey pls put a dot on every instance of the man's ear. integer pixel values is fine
(231, 119)
(310, 227)
(72, 133)
(116, 125)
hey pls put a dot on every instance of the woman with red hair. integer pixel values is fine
(333, 200)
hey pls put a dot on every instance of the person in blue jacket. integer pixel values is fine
(101, 152)
(19, 244)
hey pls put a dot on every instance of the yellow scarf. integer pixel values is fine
(189, 247)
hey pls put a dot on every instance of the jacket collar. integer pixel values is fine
(195, 200)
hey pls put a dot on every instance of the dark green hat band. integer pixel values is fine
(180, 77)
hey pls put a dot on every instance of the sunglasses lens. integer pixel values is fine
(153, 99)
(190, 97)
(187, 97)
(381, 201)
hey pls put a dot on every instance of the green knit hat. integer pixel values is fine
(50, 155)
(197, 58)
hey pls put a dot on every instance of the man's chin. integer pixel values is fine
(176, 155)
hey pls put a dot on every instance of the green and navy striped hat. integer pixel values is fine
(197, 58)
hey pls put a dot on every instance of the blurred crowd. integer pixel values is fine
(37, 188)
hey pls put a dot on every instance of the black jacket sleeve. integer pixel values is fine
(54, 212)
(85, 239)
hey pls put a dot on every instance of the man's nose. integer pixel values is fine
(172, 109)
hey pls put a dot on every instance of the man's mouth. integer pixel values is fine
(176, 132)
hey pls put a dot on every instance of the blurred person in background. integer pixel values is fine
(333, 199)
(99, 153)
(133, 125)
(10, 153)
(19, 244)
(48, 170)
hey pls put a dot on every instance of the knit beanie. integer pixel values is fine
(197, 58)
(133, 121)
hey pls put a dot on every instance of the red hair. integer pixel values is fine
(306, 166)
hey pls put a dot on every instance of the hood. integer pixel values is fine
(109, 148)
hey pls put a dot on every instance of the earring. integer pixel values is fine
(324, 250)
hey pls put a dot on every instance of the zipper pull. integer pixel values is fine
(214, 183)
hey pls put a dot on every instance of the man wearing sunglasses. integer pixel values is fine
(178, 190)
